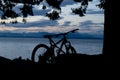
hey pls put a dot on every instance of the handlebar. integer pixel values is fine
(57, 35)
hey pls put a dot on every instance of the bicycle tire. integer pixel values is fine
(35, 50)
(72, 49)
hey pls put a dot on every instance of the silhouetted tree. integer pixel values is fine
(6, 6)
(27, 9)
(101, 4)
(110, 25)
(78, 11)
(55, 3)
(44, 7)
(54, 15)
(109, 49)
(82, 9)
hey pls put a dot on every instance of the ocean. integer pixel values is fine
(15, 47)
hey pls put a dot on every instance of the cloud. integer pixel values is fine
(88, 23)
(92, 23)
(67, 23)
(92, 11)
(49, 28)
(67, 2)
(39, 23)
(91, 27)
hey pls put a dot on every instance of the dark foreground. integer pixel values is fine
(71, 59)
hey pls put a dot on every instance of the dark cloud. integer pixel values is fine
(91, 27)
(67, 23)
(89, 23)
(45, 23)
(91, 11)
(41, 23)
(67, 2)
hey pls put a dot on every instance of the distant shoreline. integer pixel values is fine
(45, 38)
(41, 34)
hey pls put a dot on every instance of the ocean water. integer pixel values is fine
(15, 47)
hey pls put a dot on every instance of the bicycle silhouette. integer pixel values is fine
(43, 53)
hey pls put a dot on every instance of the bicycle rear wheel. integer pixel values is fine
(38, 52)
(71, 50)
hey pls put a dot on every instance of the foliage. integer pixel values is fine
(6, 7)
(101, 4)
(54, 15)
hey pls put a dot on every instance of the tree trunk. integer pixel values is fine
(109, 48)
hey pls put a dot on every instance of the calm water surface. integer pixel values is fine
(15, 47)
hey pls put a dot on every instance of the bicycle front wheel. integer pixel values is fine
(38, 51)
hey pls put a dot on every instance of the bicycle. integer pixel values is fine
(48, 53)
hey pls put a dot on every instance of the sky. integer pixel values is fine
(91, 24)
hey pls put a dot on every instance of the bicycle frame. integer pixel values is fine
(51, 52)
(63, 42)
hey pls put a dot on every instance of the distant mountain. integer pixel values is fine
(41, 34)
(35, 35)
(85, 36)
